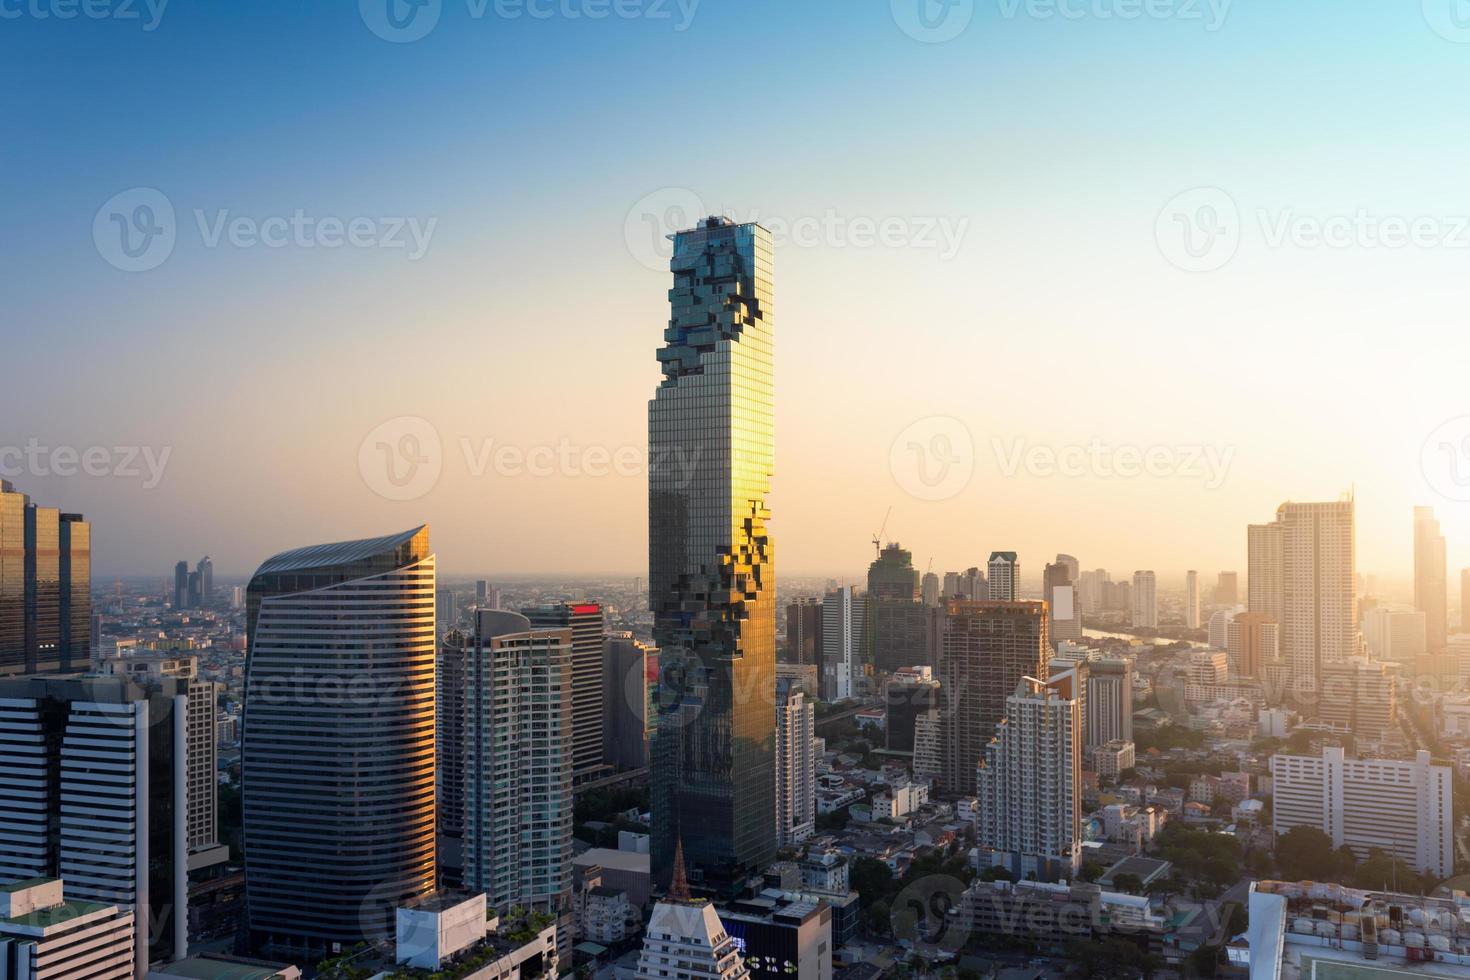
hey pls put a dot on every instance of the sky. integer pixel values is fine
(1113, 278)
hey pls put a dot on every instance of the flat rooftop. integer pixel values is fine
(220, 968)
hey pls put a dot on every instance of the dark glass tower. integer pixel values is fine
(337, 761)
(712, 583)
(897, 622)
(45, 587)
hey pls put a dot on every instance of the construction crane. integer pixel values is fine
(878, 538)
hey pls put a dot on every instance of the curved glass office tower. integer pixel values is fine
(338, 751)
(711, 580)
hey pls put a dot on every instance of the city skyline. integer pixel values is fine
(1133, 332)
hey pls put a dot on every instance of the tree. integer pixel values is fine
(1305, 853)
(1204, 961)
(1111, 959)
(1091, 871)
(1127, 882)
(870, 878)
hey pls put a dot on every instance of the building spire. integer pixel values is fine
(679, 886)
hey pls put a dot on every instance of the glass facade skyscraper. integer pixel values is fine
(337, 760)
(712, 583)
(45, 587)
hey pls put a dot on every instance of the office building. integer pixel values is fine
(1358, 697)
(909, 693)
(844, 629)
(896, 619)
(450, 685)
(337, 757)
(1401, 807)
(1030, 784)
(482, 593)
(1145, 600)
(711, 559)
(804, 631)
(45, 587)
(1092, 589)
(1252, 640)
(1191, 599)
(1003, 575)
(984, 650)
(796, 765)
(520, 706)
(782, 939)
(446, 610)
(181, 586)
(1059, 582)
(929, 590)
(96, 791)
(585, 620)
(1317, 603)
(205, 568)
(1430, 596)
(46, 934)
(1395, 635)
(626, 718)
(1108, 715)
(1227, 589)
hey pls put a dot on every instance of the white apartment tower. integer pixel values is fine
(842, 642)
(1003, 573)
(1402, 807)
(796, 765)
(1318, 604)
(1029, 783)
(518, 763)
(1145, 600)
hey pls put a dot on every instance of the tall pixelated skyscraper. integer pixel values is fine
(711, 576)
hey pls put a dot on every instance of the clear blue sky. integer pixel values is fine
(529, 140)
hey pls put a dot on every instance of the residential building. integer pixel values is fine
(1109, 701)
(804, 631)
(1252, 640)
(626, 718)
(1145, 600)
(1003, 574)
(1402, 807)
(1059, 583)
(844, 628)
(796, 765)
(585, 620)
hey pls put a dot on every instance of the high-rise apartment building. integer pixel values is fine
(626, 719)
(1252, 640)
(796, 765)
(450, 685)
(1191, 599)
(929, 590)
(337, 755)
(1093, 589)
(844, 631)
(1227, 588)
(1265, 570)
(1430, 595)
(446, 610)
(95, 790)
(1059, 587)
(984, 650)
(1029, 784)
(1145, 600)
(896, 619)
(711, 577)
(1403, 808)
(1108, 714)
(589, 629)
(1003, 574)
(45, 587)
(804, 631)
(1317, 601)
(520, 722)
